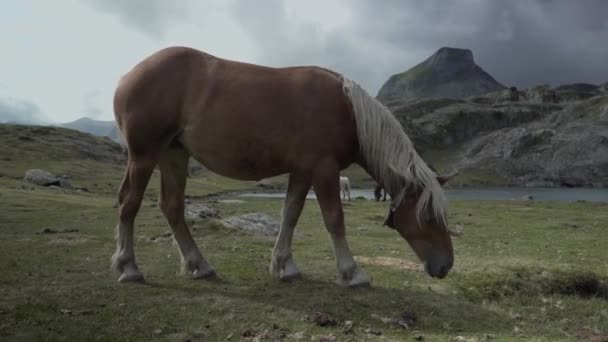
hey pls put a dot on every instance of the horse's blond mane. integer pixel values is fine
(389, 153)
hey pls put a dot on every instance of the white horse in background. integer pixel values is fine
(345, 187)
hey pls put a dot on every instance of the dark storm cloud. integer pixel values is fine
(152, 17)
(519, 42)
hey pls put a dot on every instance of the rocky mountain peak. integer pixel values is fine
(447, 56)
(448, 73)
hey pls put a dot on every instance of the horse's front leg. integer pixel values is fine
(327, 189)
(282, 262)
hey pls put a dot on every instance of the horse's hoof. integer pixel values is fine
(287, 277)
(204, 274)
(131, 277)
(359, 279)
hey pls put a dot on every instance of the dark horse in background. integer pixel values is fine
(378, 193)
(251, 122)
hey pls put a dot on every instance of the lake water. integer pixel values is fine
(487, 194)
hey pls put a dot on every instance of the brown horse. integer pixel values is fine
(250, 122)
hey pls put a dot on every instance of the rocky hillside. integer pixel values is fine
(58, 150)
(535, 137)
(448, 73)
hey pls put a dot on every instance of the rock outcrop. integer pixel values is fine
(534, 137)
(449, 73)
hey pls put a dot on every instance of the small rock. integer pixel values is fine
(157, 331)
(371, 331)
(348, 327)
(456, 230)
(327, 338)
(419, 337)
(66, 311)
(202, 211)
(490, 336)
(229, 336)
(41, 177)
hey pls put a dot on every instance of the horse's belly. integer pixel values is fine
(244, 161)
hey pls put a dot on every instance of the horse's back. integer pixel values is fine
(226, 113)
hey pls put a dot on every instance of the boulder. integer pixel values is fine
(254, 223)
(41, 177)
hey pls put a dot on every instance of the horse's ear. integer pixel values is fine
(444, 179)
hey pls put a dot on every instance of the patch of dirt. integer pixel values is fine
(398, 263)
(535, 282)
(592, 335)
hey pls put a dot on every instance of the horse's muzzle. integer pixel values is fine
(438, 265)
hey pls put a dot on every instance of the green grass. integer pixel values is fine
(523, 271)
(515, 275)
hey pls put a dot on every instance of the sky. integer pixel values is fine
(61, 60)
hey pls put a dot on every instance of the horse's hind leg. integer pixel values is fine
(326, 184)
(130, 195)
(174, 170)
(282, 261)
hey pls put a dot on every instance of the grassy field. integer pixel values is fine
(524, 270)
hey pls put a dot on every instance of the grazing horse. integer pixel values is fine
(345, 187)
(378, 193)
(250, 122)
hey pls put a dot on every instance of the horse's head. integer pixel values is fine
(426, 233)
